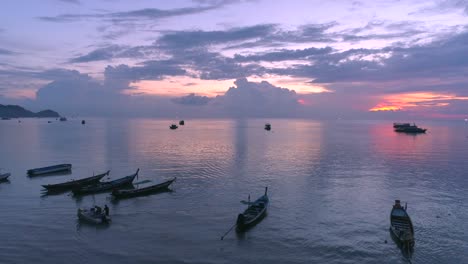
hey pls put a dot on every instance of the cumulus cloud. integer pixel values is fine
(257, 99)
(191, 99)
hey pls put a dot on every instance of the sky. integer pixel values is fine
(400, 60)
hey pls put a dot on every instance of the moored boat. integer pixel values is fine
(119, 194)
(173, 126)
(253, 214)
(410, 129)
(181, 122)
(106, 186)
(50, 169)
(4, 176)
(94, 215)
(268, 126)
(62, 119)
(75, 183)
(401, 225)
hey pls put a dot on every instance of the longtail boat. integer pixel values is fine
(120, 194)
(75, 183)
(253, 214)
(401, 225)
(106, 186)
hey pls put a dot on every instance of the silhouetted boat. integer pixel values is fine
(83, 122)
(94, 215)
(119, 194)
(106, 186)
(253, 214)
(62, 119)
(398, 125)
(173, 126)
(50, 169)
(267, 126)
(181, 122)
(410, 129)
(401, 225)
(75, 183)
(4, 176)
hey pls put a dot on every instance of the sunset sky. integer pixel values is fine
(215, 58)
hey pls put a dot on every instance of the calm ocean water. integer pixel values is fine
(331, 187)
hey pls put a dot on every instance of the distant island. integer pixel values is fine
(16, 111)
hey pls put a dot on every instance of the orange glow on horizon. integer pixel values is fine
(397, 102)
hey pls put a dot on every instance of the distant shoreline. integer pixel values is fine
(16, 111)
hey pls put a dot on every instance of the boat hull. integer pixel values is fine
(50, 169)
(253, 214)
(122, 194)
(106, 186)
(402, 227)
(74, 184)
(93, 218)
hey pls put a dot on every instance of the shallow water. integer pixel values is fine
(331, 188)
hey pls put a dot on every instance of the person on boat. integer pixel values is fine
(106, 210)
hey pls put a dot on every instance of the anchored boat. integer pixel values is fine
(253, 214)
(173, 126)
(50, 169)
(401, 225)
(120, 194)
(75, 183)
(268, 126)
(106, 186)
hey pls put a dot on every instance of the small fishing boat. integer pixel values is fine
(398, 125)
(83, 122)
(4, 176)
(173, 126)
(94, 215)
(50, 169)
(253, 214)
(62, 119)
(119, 194)
(181, 122)
(267, 126)
(106, 186)
(401, 225)
(75, 183)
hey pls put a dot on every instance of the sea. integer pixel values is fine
(331, 186)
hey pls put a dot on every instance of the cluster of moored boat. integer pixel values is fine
(120, 188)
(401, 226)
(408, 128)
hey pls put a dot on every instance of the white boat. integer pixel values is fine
(94, 215)
(4, 176)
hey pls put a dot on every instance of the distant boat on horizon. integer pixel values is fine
(173, 126)
(268, 126)
(181, 122)
(408, 128)
(62, 119)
